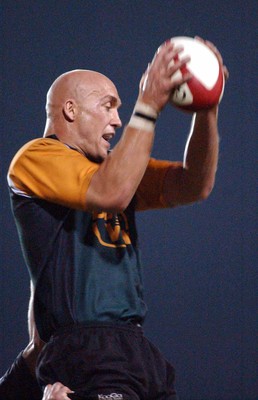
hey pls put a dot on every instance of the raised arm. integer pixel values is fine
(114, 184)
(194, 180)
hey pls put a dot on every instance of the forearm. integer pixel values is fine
(201, 154)
(194, 179)
(122, 171)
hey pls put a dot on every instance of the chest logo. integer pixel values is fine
(112, 230)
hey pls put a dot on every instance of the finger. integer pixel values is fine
(167, 57)
(57, 388)
(69, 390)
(48, 389)
(180, 81)
(178, 63)
(164, 45)
(165, 48)
(200, 39)
(64, 389)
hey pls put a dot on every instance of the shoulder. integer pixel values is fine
(40, 144)
(36, 149)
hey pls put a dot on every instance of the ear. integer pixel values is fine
(70, 110)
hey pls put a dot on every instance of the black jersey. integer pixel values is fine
(85, 266)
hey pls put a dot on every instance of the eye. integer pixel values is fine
(108, 105)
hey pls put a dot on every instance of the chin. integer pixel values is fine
(97, 158)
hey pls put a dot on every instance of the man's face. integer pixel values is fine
(98, 120)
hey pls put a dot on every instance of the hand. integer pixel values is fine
(56, 392)
(156, 84)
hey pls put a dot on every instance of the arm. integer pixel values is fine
(57, 391)
(194, 180)
(31, 352)
(20, 380)
(114, 184)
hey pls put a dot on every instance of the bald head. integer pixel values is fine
(68, 92)
(82, 111)
(76, 85)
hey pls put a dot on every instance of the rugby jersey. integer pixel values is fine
(85, 266)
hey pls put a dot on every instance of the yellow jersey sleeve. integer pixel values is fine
(50, 170)
(149, 194)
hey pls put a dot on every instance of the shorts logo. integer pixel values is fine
(112, 396)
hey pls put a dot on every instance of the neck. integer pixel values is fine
(58, 128)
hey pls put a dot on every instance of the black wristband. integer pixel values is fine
(145, 116)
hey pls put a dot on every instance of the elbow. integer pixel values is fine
(119, 202)
(202, 193)
(196, 191)
(115, 202)
(119, 199)
(200, 187)
(113, 198)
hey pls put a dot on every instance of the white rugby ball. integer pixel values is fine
(206, 87)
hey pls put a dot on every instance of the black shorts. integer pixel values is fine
(107, 362)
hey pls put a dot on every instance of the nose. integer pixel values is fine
(116, 121)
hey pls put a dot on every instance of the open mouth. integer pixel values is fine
(108, 136)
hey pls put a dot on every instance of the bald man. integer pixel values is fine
(74, 204)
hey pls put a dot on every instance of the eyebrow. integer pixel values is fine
(113, 99)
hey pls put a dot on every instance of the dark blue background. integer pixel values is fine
(201, 260)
